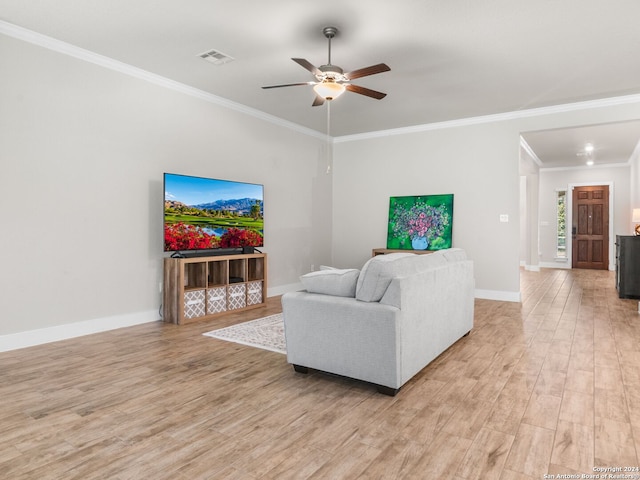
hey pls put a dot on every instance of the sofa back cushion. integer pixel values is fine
(375, 276)
(377, 273)
(454, 255)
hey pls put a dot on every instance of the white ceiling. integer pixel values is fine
(449, 60)
(613, 144)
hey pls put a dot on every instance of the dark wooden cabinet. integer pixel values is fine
(628, 266)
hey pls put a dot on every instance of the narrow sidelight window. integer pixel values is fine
(561, 239)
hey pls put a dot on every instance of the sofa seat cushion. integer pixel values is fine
(333, 281)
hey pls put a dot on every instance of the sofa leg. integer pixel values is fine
(467, 334)
(300, 369)
(387, 390)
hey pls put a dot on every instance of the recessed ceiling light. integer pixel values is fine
(588, 148)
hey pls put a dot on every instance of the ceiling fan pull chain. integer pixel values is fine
(329, 143)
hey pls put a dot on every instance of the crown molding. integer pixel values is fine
(50, 43)
(497, 117)
(585, 167)
(635, 153)
(525, 146)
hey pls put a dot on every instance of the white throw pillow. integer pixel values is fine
(335, 281)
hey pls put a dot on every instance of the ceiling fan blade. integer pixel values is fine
(306, 64)
(318, 101)
(290, 85)
(365, 91)
(363, 72)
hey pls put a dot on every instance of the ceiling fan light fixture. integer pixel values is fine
(329, 90)
(331, 81)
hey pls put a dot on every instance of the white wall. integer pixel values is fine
(468, 161)
(83, 149)
(529, 190)
(552, 180)
(475, 159)
(635, 179)
(524, 241)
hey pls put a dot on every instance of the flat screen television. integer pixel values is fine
(420, 222)
(207, 214)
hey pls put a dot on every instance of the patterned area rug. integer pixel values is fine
(266, 333)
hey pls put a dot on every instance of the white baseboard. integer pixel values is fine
(499, 295)
(30, 338)
(479, 293)
(532, 268)
(565, 265)
(282, 289)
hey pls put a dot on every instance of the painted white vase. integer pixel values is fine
(419, 243)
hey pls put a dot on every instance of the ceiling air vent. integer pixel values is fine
(216, 57)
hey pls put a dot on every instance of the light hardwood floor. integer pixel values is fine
(547, 386)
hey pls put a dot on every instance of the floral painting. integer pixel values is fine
(420, 222)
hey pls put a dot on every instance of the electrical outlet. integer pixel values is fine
(313, 267)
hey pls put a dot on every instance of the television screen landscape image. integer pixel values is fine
(206, 213)
(420, 222)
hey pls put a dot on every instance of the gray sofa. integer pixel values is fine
(383, 324)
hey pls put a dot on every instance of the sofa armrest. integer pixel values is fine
(437, 309)
(343, 336)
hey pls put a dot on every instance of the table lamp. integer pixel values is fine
(635, 218)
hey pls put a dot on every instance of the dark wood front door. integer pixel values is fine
(590, 229)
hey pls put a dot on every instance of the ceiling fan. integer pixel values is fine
(331, 81)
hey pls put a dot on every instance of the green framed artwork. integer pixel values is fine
(421, 222)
